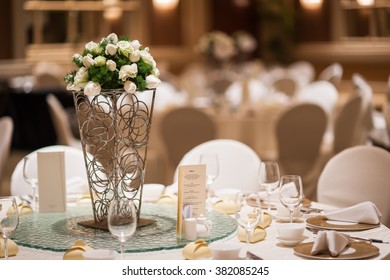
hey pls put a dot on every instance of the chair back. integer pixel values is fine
(75, 171)
(299, 133)
(61, 123)
(357, 174)
(345, 124)
(238, 164)
(332, 73)
(6, 131)
(322, 93)
(184, 128)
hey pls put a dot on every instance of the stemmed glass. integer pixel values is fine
(248, 212)
(9, 220)
(30, 176)
(122, 220)
(212, 170)
(291, 192)
(269, 179)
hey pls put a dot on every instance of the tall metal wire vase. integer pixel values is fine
(114, 131)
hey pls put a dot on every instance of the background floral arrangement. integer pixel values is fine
(114, 63)
(221, 47)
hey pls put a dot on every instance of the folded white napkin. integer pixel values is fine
(330, 241)
(363, 212)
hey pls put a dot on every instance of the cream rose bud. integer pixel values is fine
(111, 65)
(81, 78)
(128, 71)
(156, 72)
(135, 56)
(147, 57)
(100, 61)
(77, 57)
(88, 61)
(152, 81)
(93, 47)
(124, 48)
(130, 87)
(135, 44)
(92, 89)
(111, 49)
(113, 37)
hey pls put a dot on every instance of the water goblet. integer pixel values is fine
(30, 176)
(248, 212)
(269, 177)
(212, 170)
(122, 220)
(9, 220)
(291, 193)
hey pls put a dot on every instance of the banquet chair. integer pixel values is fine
(257, 91)
(322, 93)
(61, 123)
(357, 174)
(345, 124)
(6, 131)
(299, 133)
(238, 164)
(182, 129)
(365, 121)
(75, 171)
(304, 69)
(333, 74)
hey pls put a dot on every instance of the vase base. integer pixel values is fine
(104, 226)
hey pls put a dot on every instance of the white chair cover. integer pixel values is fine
(357, 174)
(333, 74)
(238, 164)
(75, 171)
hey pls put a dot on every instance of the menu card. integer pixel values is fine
(51, 180)
(191, 193)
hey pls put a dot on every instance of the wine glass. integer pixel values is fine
(122, 220)
(30, 176)
(9, 220)
(248, 212)
(269, 179)
(291, 192)
(212, 170)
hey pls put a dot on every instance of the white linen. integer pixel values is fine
(331, 241)
(364, 212)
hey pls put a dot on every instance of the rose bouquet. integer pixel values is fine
(217, 46)
(114, 63)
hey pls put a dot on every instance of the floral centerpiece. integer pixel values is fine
(217, 46)
(244, 42)
(114, 90)
(113, 63)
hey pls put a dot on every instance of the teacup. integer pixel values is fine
(225, 251)
(291, 231)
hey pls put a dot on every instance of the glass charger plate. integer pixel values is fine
(354, 251)
(322, 222)
(59, 231)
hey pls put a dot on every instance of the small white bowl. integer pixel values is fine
(291, 231)
(225, 251)
(100, 254)
(288, 242)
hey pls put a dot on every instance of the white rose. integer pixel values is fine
(111, 65)
(100, 60)
(135, 56)
(111, 49)
(147, 57)
(124, 48)
(135, 44)
(88, 61)
(152, 81)
(73, 87)
(113, 37)
(92, 89)
(156, 72)
(128, 71)
(77, 57)
(81, 78)
(93, 47)
(130, 87)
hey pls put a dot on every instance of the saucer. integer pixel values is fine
(290, 242)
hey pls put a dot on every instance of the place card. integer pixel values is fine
(191, 193)
(51, 182)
